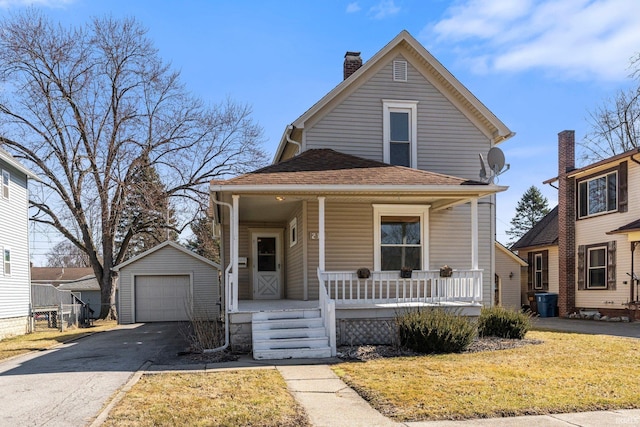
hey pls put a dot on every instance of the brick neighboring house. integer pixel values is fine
(597, 231)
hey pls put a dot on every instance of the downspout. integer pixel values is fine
(226, 288)
(287, 136)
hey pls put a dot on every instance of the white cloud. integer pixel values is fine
(572, 38)
(353, 7)
(6, 4)
(383, 9)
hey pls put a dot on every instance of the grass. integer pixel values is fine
(248, 398)
(38, 341)
(567, 373)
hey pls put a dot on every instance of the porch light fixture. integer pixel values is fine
(511, 275)
(279, 198)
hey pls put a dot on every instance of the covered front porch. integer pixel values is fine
(297, 239)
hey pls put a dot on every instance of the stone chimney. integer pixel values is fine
(566, 224)
(352, 61)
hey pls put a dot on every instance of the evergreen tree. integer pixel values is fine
(147, 218)
(531, 208)
(203, 243)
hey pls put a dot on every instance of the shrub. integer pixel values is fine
(504, 323)
(435, 331)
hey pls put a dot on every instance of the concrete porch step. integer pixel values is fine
(292, 353)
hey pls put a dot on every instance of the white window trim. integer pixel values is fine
(605, 266)
(586, 182)
(399, 210)
(389, 105)
(4, 263)
(293, 232)
(535, 272)
(6, 172)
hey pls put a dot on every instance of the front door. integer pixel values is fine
(267, 277)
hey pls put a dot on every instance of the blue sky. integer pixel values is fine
(540, 66)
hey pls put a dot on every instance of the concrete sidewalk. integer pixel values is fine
(329, 402)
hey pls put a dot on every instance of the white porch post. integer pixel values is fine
(474, 234)
(235, 243)
(321, 232)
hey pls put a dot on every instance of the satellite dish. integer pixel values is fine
(495, 158)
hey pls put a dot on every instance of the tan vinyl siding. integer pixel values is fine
(294, 285)
(15, 288)
(349, 240)
(554, 284)
(593, 230)
(444, 133)
(510, 286)
(170, 261)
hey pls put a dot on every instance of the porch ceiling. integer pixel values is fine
(267, 208)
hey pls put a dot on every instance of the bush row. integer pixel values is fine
(440, 331)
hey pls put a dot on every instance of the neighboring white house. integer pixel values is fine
(15, 288)
(381, 173)
(507, 278)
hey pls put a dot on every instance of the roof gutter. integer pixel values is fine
(373, 188)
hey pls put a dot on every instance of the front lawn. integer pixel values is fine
(250, 398)
(566, 373)
(20, 344)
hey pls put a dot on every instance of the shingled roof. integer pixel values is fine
(627, 228)
(329, 167)
(544, 233)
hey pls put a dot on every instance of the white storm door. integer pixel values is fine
(267, 273)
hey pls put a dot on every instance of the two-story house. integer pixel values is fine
(586, 249)
(373, 205)
(15, 287)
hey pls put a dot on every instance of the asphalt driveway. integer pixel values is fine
(596, 327)
(69, 385)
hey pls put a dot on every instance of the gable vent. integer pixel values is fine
(399, 71)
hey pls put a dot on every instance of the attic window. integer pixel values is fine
(399, 71)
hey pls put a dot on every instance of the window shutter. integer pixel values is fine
(611, 265)
(545, 270)
(623, 199)
(581, 272)
(530, 271)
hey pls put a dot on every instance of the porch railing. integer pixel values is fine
(345, 287)
(328, 313)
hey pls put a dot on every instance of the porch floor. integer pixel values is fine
(255, 306)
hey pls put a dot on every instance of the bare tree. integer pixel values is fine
(615, 124)
(66, 254)
(80, 105)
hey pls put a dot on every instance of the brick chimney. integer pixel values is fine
(352, 61)
(566, 223)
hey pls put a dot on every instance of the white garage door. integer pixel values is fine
(162, 298)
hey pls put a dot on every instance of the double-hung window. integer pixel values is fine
(400, 236)
(400, 130)
(7, 261)
(597, 267)
(598, 195)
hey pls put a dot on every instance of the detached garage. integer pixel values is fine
(168, 283)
